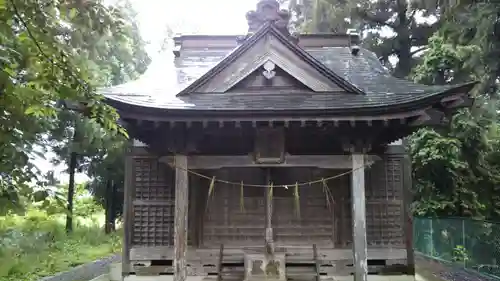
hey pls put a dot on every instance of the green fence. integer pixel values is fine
(469, 243)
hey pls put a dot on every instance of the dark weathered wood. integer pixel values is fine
(269, 145)
(457, 101)
(316, 262)
(251, 59)
(225, 222)
(197, 42)
(429, 117)
(359, 218)
(281, 81)
(221, 259)
(294, 253)
(285, 117)
(320, 161)
(153, 202)
(181, 217)
(127, 212)
(269, 237)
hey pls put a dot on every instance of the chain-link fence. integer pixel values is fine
(469, 243)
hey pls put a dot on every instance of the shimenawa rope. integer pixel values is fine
(240, 183)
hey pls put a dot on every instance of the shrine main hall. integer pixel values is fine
(272, 155)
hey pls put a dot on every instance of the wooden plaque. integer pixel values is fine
(269, 145)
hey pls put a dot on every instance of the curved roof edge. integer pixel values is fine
(321, 104)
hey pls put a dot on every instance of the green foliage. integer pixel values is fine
(36, 244)
(456, 169)
(38, 70)
(115, 59)
(445, 172)
(460, 254)
(445, 62)
(390, 28)
(322, 16)
(477, 23)
(54, 55)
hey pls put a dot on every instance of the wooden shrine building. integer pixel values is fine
(273, 155)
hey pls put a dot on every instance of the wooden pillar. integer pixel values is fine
(269, 214)
(407, 216)
(359, 218)
(128, 191)
(181, 218)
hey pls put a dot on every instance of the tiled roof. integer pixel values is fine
(168, 76)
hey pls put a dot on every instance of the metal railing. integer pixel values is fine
(468, 243)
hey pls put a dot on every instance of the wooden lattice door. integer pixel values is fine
(153, 203)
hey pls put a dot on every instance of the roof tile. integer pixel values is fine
(364, 71)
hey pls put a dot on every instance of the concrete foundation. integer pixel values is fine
(256, 270)
(324, 278)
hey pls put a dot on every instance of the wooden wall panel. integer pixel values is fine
(383, 206)
(153, 203)
(225, 222)
(316, 224)
(384, 203)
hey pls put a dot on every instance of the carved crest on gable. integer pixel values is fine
(269, 72)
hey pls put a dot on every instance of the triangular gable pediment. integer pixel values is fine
(271, 54)
(269, 77)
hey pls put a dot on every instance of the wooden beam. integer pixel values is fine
(148, 253)
(220, 265)
(407, 216)
(316, 263)
(269, 241)
(127, 212)
(264, 119)
(429, 117)
(360, 254)
(220, 161)
(181, 218)
(459, 103)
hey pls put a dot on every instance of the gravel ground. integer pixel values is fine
(446, 272)
(463, 275)
(429, 269)
(85, 272)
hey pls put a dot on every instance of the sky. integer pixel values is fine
(191, 16)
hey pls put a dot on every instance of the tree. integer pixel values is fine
(390, 28)
(477, 23)
(114, 59)
(39, 69)
(456, 169)
(322, 16)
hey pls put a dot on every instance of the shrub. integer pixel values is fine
(36, 245)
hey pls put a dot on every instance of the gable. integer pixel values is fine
(268, 46)
(269, 77)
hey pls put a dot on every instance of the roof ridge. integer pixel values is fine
(248, 43)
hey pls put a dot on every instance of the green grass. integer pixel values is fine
(35, 245)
